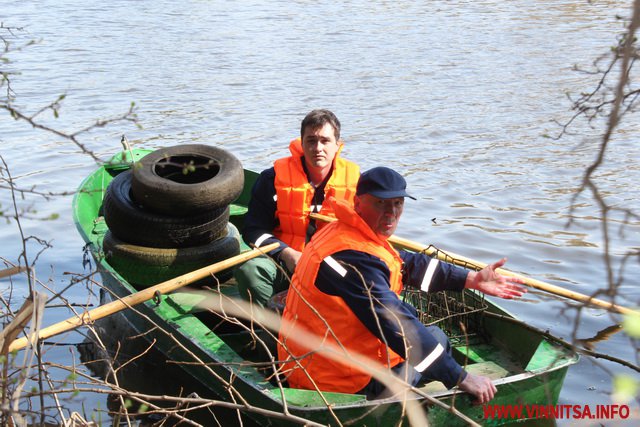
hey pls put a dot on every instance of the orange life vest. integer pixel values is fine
(295, 193)
(347, 334)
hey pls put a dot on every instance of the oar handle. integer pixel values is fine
(536, 284)
(466, 262)
(142, 296)
(11, 271)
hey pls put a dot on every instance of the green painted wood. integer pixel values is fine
(545, 358)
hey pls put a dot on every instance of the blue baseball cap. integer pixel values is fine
(383, 183)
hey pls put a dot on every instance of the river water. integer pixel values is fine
(459, 96)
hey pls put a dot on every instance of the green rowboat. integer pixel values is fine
(527, 366)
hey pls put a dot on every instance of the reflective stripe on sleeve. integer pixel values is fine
(428, 275)
(427, 361)
(261, 239)
(336, 266)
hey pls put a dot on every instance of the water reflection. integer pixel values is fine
(125, 359)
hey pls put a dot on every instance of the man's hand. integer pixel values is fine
(290, 258)
(481, 387)
(490, 282)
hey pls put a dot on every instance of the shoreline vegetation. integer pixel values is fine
(35, 391)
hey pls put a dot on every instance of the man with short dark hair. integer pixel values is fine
(346, 290)
(284, 196)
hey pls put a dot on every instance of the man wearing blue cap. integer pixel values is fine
(346, 289)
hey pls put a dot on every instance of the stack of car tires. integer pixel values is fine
(169, 214)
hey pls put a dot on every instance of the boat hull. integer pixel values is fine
(529, 368)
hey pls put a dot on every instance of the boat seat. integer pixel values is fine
(486, 369)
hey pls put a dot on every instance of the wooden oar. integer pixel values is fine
(141, 296)
(11, 271)
(466, 262)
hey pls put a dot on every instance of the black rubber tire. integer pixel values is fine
(160, 185)
(142, 266)
(133, 224)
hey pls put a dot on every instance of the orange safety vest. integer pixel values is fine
(347, 334)
(295, 193)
